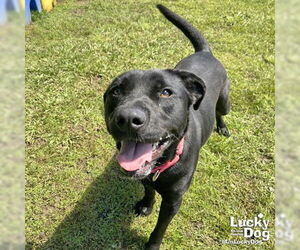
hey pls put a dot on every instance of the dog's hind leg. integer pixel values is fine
(144, 206)
(223, 108)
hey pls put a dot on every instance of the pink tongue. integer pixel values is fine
(133, 155)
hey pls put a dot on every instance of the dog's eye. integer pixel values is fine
(166, 93)
(116, 92)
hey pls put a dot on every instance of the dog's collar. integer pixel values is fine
(159, 169)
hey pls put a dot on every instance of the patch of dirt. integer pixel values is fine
(95, 81)
(197, 225)
(83, 2)
(77, 12)
(38, 141)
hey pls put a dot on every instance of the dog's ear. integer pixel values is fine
(194, 85)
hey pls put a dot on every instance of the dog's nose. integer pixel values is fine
(131, 119)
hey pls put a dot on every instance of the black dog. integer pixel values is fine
(160, 119)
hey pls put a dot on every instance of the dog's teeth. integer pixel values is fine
(154, 146)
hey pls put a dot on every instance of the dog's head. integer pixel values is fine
(147, 113)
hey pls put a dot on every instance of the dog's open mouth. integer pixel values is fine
(139, 155)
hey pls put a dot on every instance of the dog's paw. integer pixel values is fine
(223, 131)
(149, 246)
(142, 209)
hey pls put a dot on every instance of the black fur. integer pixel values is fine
(199, 87)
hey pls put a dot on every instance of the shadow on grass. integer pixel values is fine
(101, 218)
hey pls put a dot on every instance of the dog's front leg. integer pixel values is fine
(169, 208)
(144, 206)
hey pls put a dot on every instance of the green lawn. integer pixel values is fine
(76, 198)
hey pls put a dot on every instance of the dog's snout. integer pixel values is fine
(131, 119)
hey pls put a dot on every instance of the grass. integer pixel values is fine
(75, 197)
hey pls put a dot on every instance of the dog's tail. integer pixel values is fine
(198, 41)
